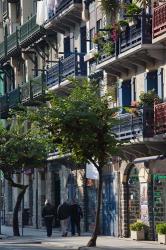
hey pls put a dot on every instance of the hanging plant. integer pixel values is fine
(110, 6)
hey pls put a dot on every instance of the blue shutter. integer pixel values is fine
(66, 46)
(145, 82)
(133, 94)
(160, 82)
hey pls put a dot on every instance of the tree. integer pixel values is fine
(81, 124)
(22, 146)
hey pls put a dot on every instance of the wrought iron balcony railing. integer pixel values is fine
(159, 20)
(14, 98)
(140, 33)
(3, 106)
(25, 92)
(130, 126)
(12, 41)
(37, 86)
(72, 65)
(65, 5)
(2, 50)
(28, 29)
(134, 126)
(160, 118)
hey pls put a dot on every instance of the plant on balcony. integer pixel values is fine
(148, 98)
(132, 10)
(123, 24)
(110, 7)
(161, 230)
(98, 38)
(108, 48)
(96, 55)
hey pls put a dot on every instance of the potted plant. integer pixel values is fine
(137, 231)
(108, 48)
(161, 230)
(123, 24)
(131, 10)
(149, 98)
(98, 38)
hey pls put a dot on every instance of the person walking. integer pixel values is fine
(63, 214)
(76, 215)
(48, 214)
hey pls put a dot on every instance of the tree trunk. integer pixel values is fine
(16, 209)
(92, 241)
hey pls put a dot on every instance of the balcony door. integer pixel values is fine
(152, 82)
(126, 93)
(66, 46)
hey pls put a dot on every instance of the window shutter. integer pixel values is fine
(160, 82)
(145, 82)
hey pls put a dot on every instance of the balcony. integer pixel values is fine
(14, 98)
(160, 118)
(138, 34)
(135, 126)
(67, 14)
(12, 43)
(2, 50)
(130, 126)
(133, 49)
(25, 92)
(3, 106)
(159, 22)
(37, 86)
(72, 65)
(30, 32)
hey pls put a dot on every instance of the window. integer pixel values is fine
(10, 198)
(91, 35)
(98, 25)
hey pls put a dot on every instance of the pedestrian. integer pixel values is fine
(76, 215)
(48, 214)
(63, 214)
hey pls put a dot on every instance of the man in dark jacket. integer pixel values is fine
(76, 215)
(48, 214)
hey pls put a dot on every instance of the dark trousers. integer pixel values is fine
(75, 223)
(48, 223)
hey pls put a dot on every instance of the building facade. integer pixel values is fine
(42, 43)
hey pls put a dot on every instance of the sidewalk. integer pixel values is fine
(38, 236)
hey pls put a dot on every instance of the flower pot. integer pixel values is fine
(137, 235)
(132, 22)
(162, 238)
(123, 28)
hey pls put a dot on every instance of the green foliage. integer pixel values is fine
(109, 6)
(148, 98)
(137, 226)
(81, 123)
(123, 23)
(22, 145)
(108, 48)
(133, 9)
(161, 228)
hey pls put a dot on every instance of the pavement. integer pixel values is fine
(37, 239)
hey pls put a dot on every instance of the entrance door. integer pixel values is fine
(56, 196)
(110, 223)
